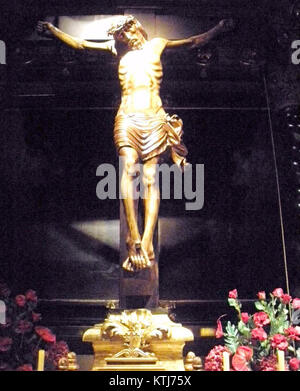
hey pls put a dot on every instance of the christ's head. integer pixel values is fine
(128, 31)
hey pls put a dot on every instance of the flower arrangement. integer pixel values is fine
(256, 341)
(21, 336)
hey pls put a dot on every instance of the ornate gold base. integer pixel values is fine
(136, 340)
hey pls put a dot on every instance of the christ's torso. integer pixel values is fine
(140, 75)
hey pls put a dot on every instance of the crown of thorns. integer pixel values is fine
(120, 24)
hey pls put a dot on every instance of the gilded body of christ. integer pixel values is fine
(143, 130)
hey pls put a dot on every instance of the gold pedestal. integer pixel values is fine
(136, 340)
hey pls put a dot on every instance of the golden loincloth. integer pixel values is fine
(151, 135)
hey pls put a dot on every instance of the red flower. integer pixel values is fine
(241, 358)
(45, 334)
(279, 341)
(278, 292)
(286, 298)
(293, 333)
(260, 319)
(219, 331)
(296, 303)
(4, 290)
(31, 295)
(23, 326)
(245, 351)
(294, 364)
(36, 317)
(25, 367)
(20, 300)
(5, 344)
(233, 294)
(245, 317)
(268, 364)
(57, 351)
(259, 334)
(214, 359)
(239, 363)
(261, 295)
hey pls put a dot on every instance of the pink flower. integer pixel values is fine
(279, 341)
(278, 292)
(219, 331)
(25, 367)
(241, 358)
(5, 344)
(294, 364)
(245, 351)
(214, 359)
(233, 294)
(268, 364)
(260, 319)
(261, 295)
(23, 326)
(293, 333)
(57, 351)
(20, 300)
(259, 334)
(31, 295)
(245, 317)
(36, 317)
(45, 334)
(286, 298)
(296, 303)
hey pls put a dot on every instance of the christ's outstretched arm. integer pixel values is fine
(75, 43)
(201, 39)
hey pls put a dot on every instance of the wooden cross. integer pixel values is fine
(137, 289)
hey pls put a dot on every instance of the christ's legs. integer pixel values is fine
(151, 203)
(137, 256)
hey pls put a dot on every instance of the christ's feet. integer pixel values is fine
(148, 246)
(137, 257)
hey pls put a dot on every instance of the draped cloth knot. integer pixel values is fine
(151, 135)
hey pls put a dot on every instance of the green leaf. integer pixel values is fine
(264, 350)
(243, 329)
(282, 326)
(270, 307)
(264, 344)
(236, 304)
(260, 305)
(231, 338)
(251, 323)
(232, 302)
(291, 349)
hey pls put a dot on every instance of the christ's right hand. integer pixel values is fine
(43, 28)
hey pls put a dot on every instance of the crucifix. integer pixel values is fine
(143, 133)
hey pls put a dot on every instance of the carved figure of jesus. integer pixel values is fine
(143, 131)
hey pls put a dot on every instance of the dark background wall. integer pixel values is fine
(56, 128)
(66, 239)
